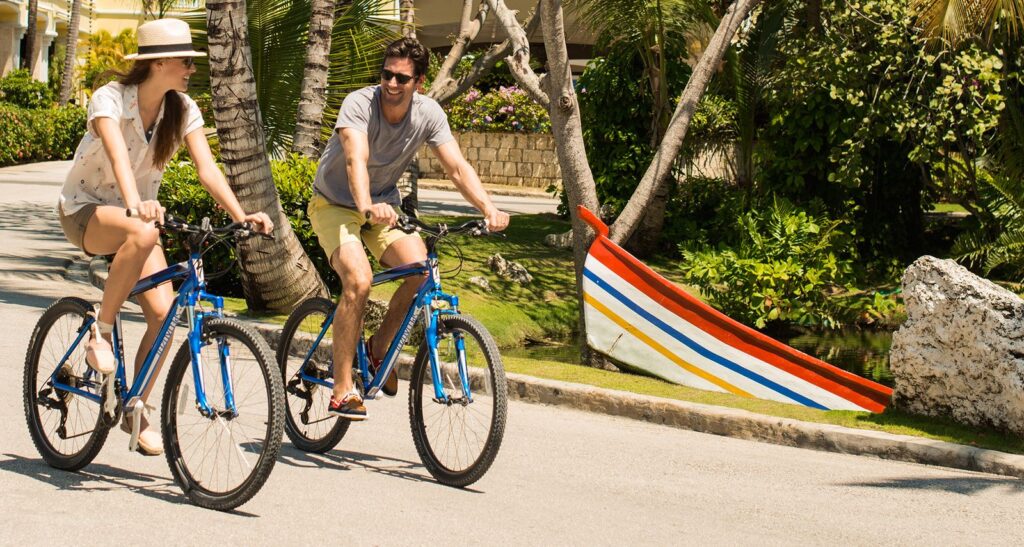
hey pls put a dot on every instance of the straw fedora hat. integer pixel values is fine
(164, 38)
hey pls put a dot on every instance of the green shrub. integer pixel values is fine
(28, 135)
(19, 89)
(506, 109)
(183, 195)
(788, 266)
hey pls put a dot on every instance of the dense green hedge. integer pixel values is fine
(183, 195)
(28, 135)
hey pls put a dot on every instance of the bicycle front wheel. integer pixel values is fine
(67, 428)
(220, 459)
(458, 436)
(307, 423)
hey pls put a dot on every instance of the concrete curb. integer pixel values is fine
(724, 421)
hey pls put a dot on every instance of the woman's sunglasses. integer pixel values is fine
(386, 75)
(189, 62)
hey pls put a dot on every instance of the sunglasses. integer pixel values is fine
(386, 75)
(189, 62)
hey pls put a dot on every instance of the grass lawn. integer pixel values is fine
(546, 310)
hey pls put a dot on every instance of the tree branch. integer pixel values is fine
(664, 159)
(447, 89)
(519, 60)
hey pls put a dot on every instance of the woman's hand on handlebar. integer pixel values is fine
(148, 211)
(260, 222)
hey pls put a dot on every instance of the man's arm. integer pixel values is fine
(466, 180)
(357, 153)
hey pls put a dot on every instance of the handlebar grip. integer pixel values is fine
(131, 212)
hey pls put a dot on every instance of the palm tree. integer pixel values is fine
(29, 60)
(309, 116)
(70, 53)
(408, 14)
(277, 274)
(957, 20)
(361, 29)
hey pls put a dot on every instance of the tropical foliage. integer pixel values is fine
(362, 29)
(105, 56)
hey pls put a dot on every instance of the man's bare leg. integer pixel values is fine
(404, 251)
(356, 277)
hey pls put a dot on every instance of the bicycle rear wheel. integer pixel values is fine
(222, 460)
(307, 422)
(458, 437)
(68, 429)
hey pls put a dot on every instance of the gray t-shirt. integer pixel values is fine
(392, 146)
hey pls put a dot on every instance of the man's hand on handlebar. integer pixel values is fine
(496, 220)
(381, 213)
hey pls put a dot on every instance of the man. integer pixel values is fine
(378, 131)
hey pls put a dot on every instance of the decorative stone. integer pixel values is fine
(559, 241)
(960, 352)
(506, 269)
(374, 314)
(481, 282)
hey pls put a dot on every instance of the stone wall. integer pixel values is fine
(516, 159)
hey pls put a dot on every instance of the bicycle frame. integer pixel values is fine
(190, 293)
(423, 308)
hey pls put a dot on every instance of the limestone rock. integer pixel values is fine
(506, 269)
(559, 241)
(960, 353)
(480, 281)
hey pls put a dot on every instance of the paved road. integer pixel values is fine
(562, 477)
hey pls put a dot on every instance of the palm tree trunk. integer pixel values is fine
(276, 274)
(29, 60)
(313, 98)
(408, 14)
(70, 53)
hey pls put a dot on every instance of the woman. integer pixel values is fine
(135, 126)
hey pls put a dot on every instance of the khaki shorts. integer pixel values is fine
(335, 226)
(74, 225)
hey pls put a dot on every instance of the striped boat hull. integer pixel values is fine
(643, 320)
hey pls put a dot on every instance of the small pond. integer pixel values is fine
(865, 353)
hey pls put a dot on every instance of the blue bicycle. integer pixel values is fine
(222, 410)
(457, 389)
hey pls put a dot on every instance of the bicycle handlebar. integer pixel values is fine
(240, 230)
(476, 227)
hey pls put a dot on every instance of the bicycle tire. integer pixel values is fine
(488, 386)
(323, 432)
(51, 338)
(179, 409)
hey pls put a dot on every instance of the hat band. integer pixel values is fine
(167, 48)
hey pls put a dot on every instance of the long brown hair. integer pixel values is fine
(168, 132)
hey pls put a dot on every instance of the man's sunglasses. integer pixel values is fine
(386, 75)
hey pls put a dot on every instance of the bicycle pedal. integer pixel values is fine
(136, 408)
(109, 396)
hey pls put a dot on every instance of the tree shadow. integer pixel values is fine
(345, 460)
(109, 479)
(964, 486)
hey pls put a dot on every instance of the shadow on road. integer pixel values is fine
(347, 460)
(965, 486)
(98, 477)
